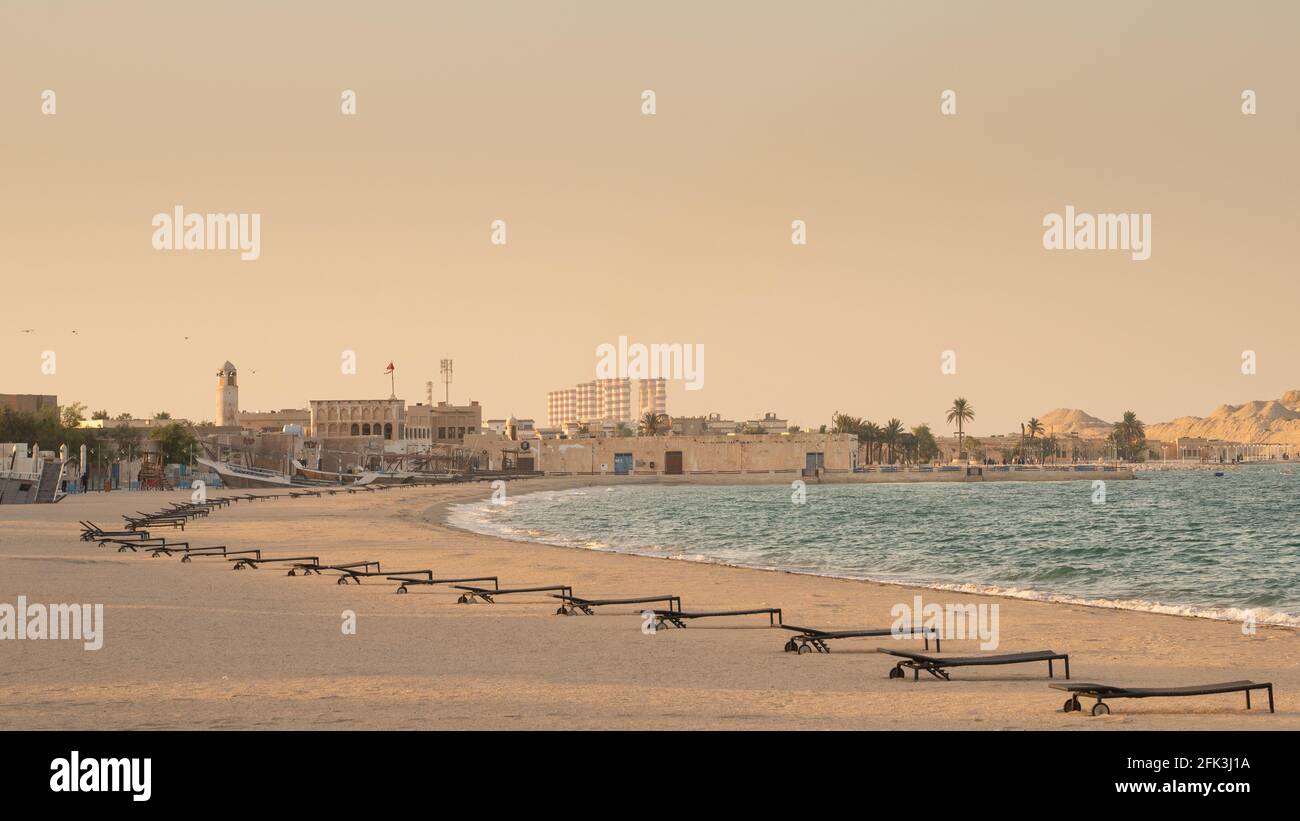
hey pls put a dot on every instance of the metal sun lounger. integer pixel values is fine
(814, 639)
(160, 519)
(938, 666)
(1103, 691)
(308, 568)
(401, 588)
(166, 549)
(92, 532)
(472, 593)
(217, 551)
(242, 562)
(149, 544)
(572, 605)
(678, 619)
(350, 573)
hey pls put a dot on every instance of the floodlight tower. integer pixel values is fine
(446, 379)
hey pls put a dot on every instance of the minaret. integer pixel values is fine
(227, 397)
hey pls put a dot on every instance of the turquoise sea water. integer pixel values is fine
(1181, 542)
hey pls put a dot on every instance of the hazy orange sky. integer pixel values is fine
(924, 231)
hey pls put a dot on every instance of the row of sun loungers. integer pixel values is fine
(807, 639)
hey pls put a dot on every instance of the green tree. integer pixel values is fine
(99, 414)
(652, 424)
(1130, 438)
(162, 415)
(870, 436)
(927, 449)
(73, 414)
(961, 412)
(890, 436)
(176, 441)
(843, 423)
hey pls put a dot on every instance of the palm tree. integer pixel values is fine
(843, 423)
(890, 435)
(1034, 427)
(961, 412)
(652, 423)
(869, 434)
(1129, 436)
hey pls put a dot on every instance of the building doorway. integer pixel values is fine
(673, 463)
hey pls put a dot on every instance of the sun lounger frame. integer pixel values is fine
(155, 543)
(1105, 691)
(678, 619)
(814, 639)
(401, 588)
(244, 561)
(91, 532)
(938, 667)
(472, 593)
(213, 552)
(573, 605)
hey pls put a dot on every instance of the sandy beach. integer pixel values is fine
(197, 646)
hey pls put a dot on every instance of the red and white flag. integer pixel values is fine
(390, 368)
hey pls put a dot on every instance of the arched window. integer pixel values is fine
(355, 430)
(388, 430)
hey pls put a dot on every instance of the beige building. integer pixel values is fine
(653, 396)
(792, 454)
(385, 418)
(601, 400)
(701, 425)
(443, 422)
(275, 421)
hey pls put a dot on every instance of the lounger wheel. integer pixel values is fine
(1100, 709)
(291, 573)
(805, 648)
(462, 599)
(791, 646)
(562, 611)
(401, 589)
(342, 580)
(185, 559)
(1072, 706)
(895, 672)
